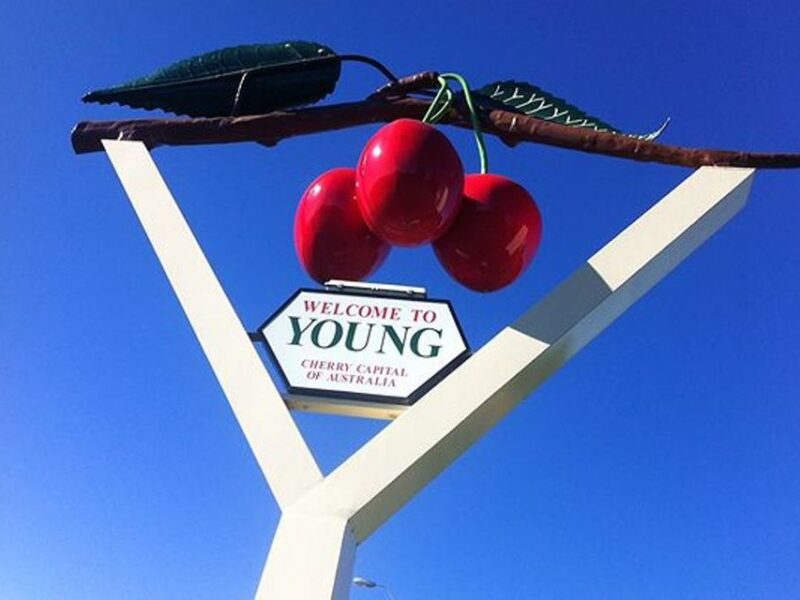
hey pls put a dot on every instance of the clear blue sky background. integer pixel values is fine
(662, 463)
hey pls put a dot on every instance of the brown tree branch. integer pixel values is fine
(511, 127)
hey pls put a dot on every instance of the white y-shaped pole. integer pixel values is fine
(324, 519)
(279, 448)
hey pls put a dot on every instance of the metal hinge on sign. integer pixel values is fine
(377, 289)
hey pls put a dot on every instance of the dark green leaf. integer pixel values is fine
(532, 101)
(267, 77)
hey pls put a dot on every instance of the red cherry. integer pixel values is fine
(409, 181)
(495, 235)
(330, 236)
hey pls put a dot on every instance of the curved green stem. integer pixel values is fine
(476, 126)
(433, 115)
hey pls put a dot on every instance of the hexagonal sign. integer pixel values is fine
(344, 344)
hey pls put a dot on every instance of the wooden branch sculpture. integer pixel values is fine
(388, 104)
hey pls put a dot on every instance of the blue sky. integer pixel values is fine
(661, 463)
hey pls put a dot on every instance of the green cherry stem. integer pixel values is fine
(433, 115)
(476, 126)
(444, 100)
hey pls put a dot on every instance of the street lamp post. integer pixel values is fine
(368, 583)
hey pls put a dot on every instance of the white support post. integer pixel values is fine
(323, 520)
(278, 446)
(312, 556)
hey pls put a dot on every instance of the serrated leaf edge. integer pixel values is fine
(579, 122)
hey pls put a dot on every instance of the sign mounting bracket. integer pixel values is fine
(379, 289)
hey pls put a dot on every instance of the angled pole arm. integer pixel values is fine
(277, 444)
(390, 469)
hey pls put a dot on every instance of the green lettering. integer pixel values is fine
(352, 327)
(389, 331)
(432, 350)
(296, 331)
(337, 334)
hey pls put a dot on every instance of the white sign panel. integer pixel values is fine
(364, 346)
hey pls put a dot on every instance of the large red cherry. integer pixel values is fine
(409, 181)
(330, 236)
(495, 235)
